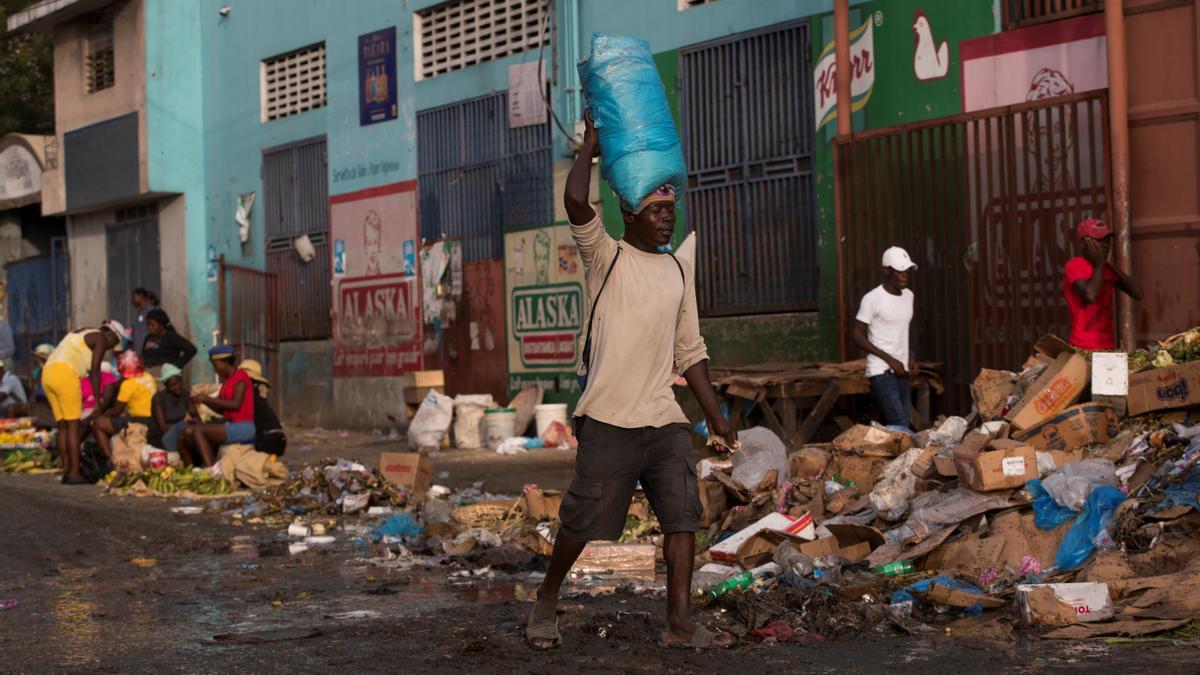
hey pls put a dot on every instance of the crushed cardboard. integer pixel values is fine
(1058, 388)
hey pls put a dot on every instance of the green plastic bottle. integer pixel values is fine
(736, 582)
(895, 569)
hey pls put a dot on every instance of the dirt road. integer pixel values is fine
(123, 585)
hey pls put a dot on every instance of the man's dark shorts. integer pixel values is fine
(610, 462)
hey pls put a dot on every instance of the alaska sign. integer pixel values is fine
(547, 321)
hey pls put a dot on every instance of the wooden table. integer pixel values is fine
(782, 390)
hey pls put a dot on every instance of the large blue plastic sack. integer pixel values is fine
(1080, 541)
(906, 594)
(639, 146)
(1047, 513)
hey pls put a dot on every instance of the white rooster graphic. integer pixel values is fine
(931, 61)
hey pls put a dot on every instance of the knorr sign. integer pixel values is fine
(547, 321)
(862, 74)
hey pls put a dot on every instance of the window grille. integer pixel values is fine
(293, 83)
(100, 63)
(462, 33)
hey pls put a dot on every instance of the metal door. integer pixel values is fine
(296, 196)
(133, 262)
(37, 302)
(746, 103)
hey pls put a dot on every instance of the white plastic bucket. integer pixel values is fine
(549, 413)
(499, 425)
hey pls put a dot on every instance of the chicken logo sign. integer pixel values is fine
(931, 59)
(862, 74)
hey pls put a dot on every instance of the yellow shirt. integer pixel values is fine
(137, 394)
(75, 352)
(647, 329)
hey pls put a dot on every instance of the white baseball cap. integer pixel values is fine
(897, 259)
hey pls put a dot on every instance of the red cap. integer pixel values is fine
(1094, 228)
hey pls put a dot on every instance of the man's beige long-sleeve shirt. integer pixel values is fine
(646, 330)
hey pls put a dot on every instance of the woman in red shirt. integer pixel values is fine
(236, 403)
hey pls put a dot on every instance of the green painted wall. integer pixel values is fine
(897, 97)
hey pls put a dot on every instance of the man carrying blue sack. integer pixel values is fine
(644, 330)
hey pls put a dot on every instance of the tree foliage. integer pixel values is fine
(26, 77)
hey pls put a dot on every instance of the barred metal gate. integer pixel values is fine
(986, 203)
(296, 196)
(746, 104)
(249, 310)
(132, 252)
(478, 177)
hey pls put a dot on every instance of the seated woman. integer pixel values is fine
(170, 408)
(108, 391)
(235, 401)
(133, 402)
(270, 437)
(164, 345)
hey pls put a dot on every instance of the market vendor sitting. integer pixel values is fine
(235, 401)
(133, 402)
(269, 431)
(13, 402)
(170, 409)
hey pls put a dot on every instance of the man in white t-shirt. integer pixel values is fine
(881, 330)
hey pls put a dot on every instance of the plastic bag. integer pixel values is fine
(639, 146)
(950, 433)
(1071, 485)
(1088, 528)
(904, 597)
(1047, 513)
(895, 487)
(468, 419)
(761, 451)
(792, 560)
(432, 421)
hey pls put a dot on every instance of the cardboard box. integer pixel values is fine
(1090, 600)
(809, 463)
(541, 504)
(945, 466)
(407, 469)
(1164, 388)
(922, 466)
(627, 561)
(1057, 389)
(985, 465)
(867, 440)
(726, 550)
(991, 390)
(862, 471)
(417, 384)
(1073, 428)
(713, 502)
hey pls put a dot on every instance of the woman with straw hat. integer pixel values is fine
(270, 437)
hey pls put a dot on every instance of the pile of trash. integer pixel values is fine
(1067, 498)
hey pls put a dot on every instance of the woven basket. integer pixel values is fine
(488, 515)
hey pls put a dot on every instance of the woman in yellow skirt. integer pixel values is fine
(78, 356)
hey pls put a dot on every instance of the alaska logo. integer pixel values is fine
(1053, 394)
(1178, 391)
(547, 321)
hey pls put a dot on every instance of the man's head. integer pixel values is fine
(896, 266)
(1094, 228)
(652, 222)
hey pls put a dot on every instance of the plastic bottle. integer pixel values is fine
(792, 560)
(895, 569)
(744, 580)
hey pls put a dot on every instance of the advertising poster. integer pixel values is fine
(376, 305)
(377, 76)
(546, 309)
